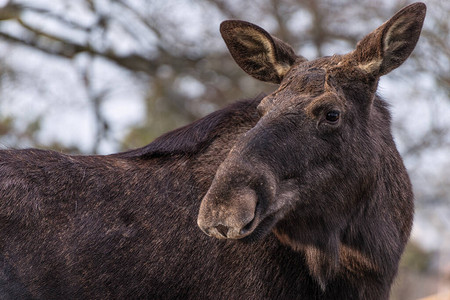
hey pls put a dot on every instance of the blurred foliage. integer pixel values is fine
(417, 278)
(416, 258)
(5, 125)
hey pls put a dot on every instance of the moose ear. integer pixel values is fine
(387, 47)
(258, 53)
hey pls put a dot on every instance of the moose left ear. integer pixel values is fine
(387, 47)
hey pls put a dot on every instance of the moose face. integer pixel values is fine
(314, 152)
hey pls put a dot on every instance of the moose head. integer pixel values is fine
(318, 150)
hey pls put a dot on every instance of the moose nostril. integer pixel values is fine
(222, 229)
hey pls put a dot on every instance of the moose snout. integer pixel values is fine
(229, 217)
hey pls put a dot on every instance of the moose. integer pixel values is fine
(302, 193)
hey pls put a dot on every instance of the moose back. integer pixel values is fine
(302, 191)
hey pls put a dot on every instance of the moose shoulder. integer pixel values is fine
(303, 191)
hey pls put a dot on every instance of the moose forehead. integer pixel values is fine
(306, 84)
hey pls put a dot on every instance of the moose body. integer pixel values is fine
(303, 190)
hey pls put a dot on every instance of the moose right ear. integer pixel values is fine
(389, 45)
(258, 53)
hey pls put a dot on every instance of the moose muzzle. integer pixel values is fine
(228, 214)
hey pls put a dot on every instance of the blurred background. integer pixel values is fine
(101, 76)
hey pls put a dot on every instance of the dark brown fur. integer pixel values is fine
(320, 209)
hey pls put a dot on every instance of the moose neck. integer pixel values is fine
(352, 252)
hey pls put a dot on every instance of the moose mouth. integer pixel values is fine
(259, 229)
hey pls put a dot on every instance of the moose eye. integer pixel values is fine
(332, 116)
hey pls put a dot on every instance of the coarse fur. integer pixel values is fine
(303, 189)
